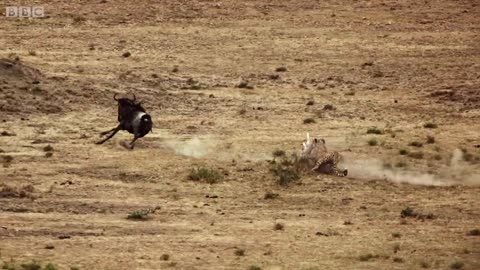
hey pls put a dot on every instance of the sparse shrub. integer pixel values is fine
(374, 130)
(32, 53)
(126, 54)
(278, 153)
(211, 176)
(474, 232)
(31, 266)
(74, 268)
(78, 19)
(286, 175)
(396, 235)
(398, 260)
(239, 252)
(466, 155)
(138, 215)
(457, 265)
(48, 148)
(281, 69)
(278, 227)
(430, 139)
(242, 111)
(48, 154)
(328, 107)
(396, 247)
(310, 103)
(254, 267)
(430, 125)
(175, 69)
(416, 155)
(309, 120)
(50, 266)
(407, 212)
(403, 152)
(401, 164)
(165, 257)
(7, 159)
(437, 157)
(270, 195)
(367, 257)
(424, 264)
(373, 142)
(416, 144)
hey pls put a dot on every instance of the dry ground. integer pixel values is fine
(395, 66)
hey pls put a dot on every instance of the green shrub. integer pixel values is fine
(209, 175)
(374, 130)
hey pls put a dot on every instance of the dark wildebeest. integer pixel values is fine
(132, 118)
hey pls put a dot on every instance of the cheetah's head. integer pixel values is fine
(308, 145)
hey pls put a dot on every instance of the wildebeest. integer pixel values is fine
(132, 118)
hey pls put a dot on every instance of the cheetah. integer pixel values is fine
(320, 159)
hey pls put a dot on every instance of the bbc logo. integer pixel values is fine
(32, 12)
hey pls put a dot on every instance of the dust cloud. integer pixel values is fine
(456, 172)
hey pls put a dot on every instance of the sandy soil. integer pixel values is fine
(393, 66)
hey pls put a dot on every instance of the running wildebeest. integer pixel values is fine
(132, 118)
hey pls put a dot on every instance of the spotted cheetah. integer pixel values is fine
(320, 159)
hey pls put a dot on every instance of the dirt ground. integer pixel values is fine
(208, 73)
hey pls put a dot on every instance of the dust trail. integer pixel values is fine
(457, 172)
(195, 147)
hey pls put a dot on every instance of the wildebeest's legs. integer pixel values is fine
(132, 143)
(115, 130)
(108, 131)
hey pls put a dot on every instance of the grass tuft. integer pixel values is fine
(138, 215)
(309, 120)
(374, 130)
(430, 125)
(211, 176)
(373, 142)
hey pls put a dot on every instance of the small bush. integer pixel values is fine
(242, 111)
(209, 175)
(437, 157)
(466, 155)
(407, 212)
(285, 175)
(254, 267)
(50, 266)
(457, 265)
(374, 130)
(396, 247)
(373, 142)
(328, 107)
(270, 195)
(31, 266)
(165, 257)
(310, 103)
(278, 153)
(403, 152)
(281, 69)
(416, 144)
(48, 148)
(400, 164)
(430, 125)
(278, 227)
(398, 260)
(424, 264)
(138, 215)
(430, 139)
(367, 257)
(416, 155)
(309, 120)
(474, 232)
(396, 235)
(240, 252)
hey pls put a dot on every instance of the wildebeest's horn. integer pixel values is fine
(115, 97)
